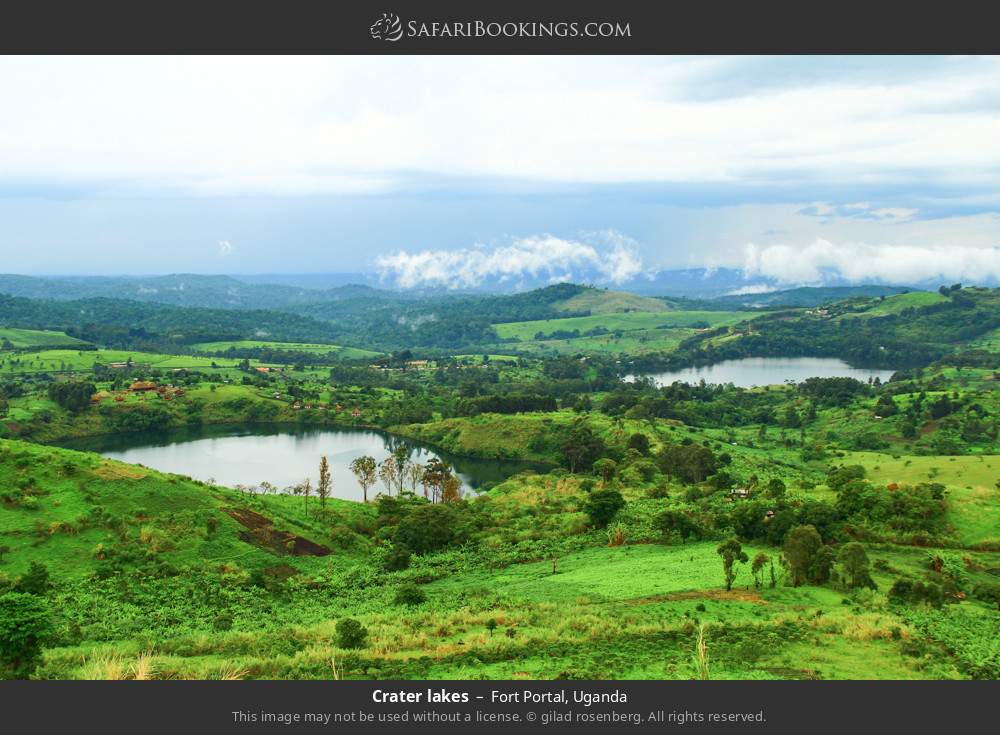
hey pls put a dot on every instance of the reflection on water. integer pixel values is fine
(752, 371)
(282, 456)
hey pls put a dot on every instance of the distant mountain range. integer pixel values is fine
(298, 291)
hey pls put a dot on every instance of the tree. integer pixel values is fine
(640, 443)
(886, 406)
(435, 476)
(602, 506)
(401, 460)
(757, 569)
(35, 581)
(582, 447)
(800, 547)
(428, 527)
(451, 490)
(351, 633)
(409, 594)
(776, 488)
(72, 395)
(822, 565)
(324, 484)
(306, 489)
(675, 521)
(365, 469)
(688, 462)
(25, 624)
(732, 553)
(387, 473)
(606, 469)
(854, 562)
(414, 474)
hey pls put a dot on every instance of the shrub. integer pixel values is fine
(397, 559)
(223, 622)
(409, 594)
(35, 581)
(25, 624)
(351, 634)
(602, 506)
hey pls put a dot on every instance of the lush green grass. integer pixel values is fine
(631, 321)
(597, 301)
(34, 338)
(899, 302)
(972, 482)
(65, 360)
(312, 348)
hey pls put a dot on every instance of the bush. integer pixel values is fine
(410, 594)
(25, 624)
(351, 634)
(223, 622)
(397, 559)
(602, 506)
(35, 581)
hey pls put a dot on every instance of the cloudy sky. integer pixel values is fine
(457, 168)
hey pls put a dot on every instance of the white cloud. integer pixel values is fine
(546, 256)
(859, 262)
(293, 125)
(754, 289)
(225, 248)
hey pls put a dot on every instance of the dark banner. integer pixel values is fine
(450, 27)
(569, 706)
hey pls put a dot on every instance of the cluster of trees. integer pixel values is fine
(400, 474)
(26, 622)
(505, 403)
(72, 395)
(805, 558)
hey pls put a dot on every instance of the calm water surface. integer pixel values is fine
(753, 371)
(240, 455)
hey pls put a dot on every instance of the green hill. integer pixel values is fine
(36, 338)
(600, 301)
(81, 514)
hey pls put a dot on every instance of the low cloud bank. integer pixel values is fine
(861, 262)
(615, 260)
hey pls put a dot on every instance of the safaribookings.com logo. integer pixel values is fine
(387, 28)
(390, 28)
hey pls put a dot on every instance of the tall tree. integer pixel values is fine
(414, 474)
(800, 548)
(401, 460)
(325, 483)
(387, 473)
(732, 553)
(854, 560)
(366, 470)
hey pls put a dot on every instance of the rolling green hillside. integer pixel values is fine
(35, 338)
(598, 301)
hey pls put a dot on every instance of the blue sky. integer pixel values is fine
(442, 168)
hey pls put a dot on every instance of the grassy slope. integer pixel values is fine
(83, 361)
(626, 322)
(80, 500)
(313, 348)
(619, 612)
(25, 338)
(597, 301)
(899, 302)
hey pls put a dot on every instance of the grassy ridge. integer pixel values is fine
(626, 322)
(312, 348)
(35, 338)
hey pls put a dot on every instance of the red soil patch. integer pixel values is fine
(261, 532)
